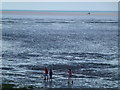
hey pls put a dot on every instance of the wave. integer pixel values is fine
(103, 22)
(19, 55)
(78, 56)
(5, 22)
(29, 20)
(56, 22)
(48, 22)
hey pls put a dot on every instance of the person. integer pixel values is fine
(50, 74)
(69, 75)
(46, 73)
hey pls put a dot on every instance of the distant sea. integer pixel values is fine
(59, 12)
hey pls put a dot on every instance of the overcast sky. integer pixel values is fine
(71, 6)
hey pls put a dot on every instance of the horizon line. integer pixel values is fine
(58, 10)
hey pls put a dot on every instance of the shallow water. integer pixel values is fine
(86, 44)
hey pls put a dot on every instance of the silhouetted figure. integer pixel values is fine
(50, 74)
(46, 74)
(69, 76)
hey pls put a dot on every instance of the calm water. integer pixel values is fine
(86, 44)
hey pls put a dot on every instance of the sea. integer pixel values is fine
(85, 43)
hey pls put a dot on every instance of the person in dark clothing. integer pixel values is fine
(50, 74)
(69, 75)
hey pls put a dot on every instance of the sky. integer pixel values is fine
(63, 6)
(60, 0)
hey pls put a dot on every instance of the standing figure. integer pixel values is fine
(69, 76)
(46, 74)
(50, 74)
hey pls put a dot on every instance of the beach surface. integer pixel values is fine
(87, 44)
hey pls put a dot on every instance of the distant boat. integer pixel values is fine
(89, 13)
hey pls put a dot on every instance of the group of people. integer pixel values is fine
(46, 74)
(51, 73)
